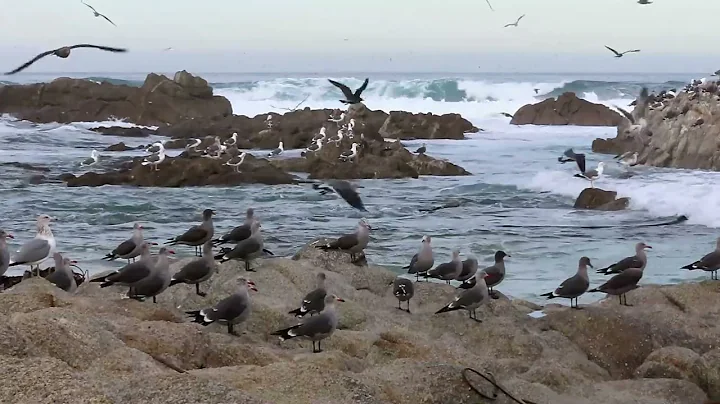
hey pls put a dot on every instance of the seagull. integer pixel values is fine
(590, 175)
(350, 97)
(154, 148)
(618, 54)
(278, 151)
(350, 154)
(337, 120)
(63, 53)
(638, 123)
(169, 48)
(644, 2)
(94, 157)
(344, 189)
(628, 159)
(421, 150)
(569, 155)
(232, 141)
(506, 115)
(98, 14)
(515, 24)
(268, 121)
(155, 159)
(193, 146)
(315, 147)
(321, 135)
(236, 161)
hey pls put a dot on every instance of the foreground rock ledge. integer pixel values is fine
(568, 109)
(102, 349)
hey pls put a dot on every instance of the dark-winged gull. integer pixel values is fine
(315, 328)
(197, 271)
(277, 151)
(495, 274)
(130, 273)
(470, 299)
(569, 155)
(98, 14)
(345, 190)
(236, 161)
(130, 248)
(644, 2)
(628, 159)
(515, 24)
(620, 54)
(621, 283)
(197, 235)
(353, 243)
(231, 310)
(94, 158)
(155, 159)
(63, 53)
(238, 233)
(350, 154)
(709, 263)
(231, 141)
(350, 97)
(315, 147)
(158, 280)
(469, 269)
(589, 175)
(313, 302)
(403, 290)
(447, 271)
(639, 261)
(155, 147)
(63, 276)
(245, 250)
(575, 286)
(423, 261)
(4, 252)
(421, 150)
(37, 250)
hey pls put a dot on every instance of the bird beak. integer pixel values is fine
(153, 243)
(73, 262)
(339, 299)
(171, 252)
(591, 265)
(508, 256)
(253, 288)
(9, 236)
(648, 246)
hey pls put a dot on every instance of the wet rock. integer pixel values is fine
(406, 125)
(599, 199)
(118, 147)
(133, 131)
(568, 109)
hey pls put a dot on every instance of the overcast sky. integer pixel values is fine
(382, 35)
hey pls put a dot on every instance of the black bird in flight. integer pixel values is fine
(350, 97)
(98, 14)
(63, 53)
(619, 54)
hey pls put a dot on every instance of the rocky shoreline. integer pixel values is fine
(100, 348)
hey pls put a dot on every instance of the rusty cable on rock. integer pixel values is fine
(498, 387)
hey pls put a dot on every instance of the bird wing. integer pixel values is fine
(59, 279)
(622, 280)
(193, 270)
(315, 325)
(315, 300)
(33, 60)
(494, 275)
(152, 158)
(105, 48)
(626, 114)
(569, 153)
(125, 248)
(227, 309)
(345, 89)
(349, 195)
(711, 260)
(91, 7)
(194, 234)
(238, 234)
(130, 273)
(489, 5)
(573, 286)
(345, 242)
(519, 18)
(108, 20)
(34, 250)
(613, 51)
(362, 87)
(509, 25)
(580, 160)
(631, 51)
(244, 248)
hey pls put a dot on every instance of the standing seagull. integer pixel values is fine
(575, 286)
(129, 248)
(353, 243)
(197, 235)
(231, 310)
(232, 141)
(197, 271)
(469, 269)
(570, 155)
(621, 283)
(313, 302)
(345, 190)
(277, 151)
(515, 24)
(98, 14)
(94, 157)
(470, 299)
(403, 290)
(350, 97)
(315, 328)
(63, 53)
(350, 154)
(236, 161)
(447, 271)
(495, 274)
(421, 150)
(155, 159)
(423, 261)
(37, 250)
(130, 273)
(639, 261)
(709, 263)
(619, 54)
(158, 280)
(590, 175)
(4, 252)
(246, 250)
(63, 276)
(239, 233)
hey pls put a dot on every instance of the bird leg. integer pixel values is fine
(399, 305)
(197, 290)
(154, 300)
(473, 316)
(247, 267)
(408, 309)
(231, 329)
(626, 303)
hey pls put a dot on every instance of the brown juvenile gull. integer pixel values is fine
(315, 328)
(98, 14)
(403, 290)
(231, 310)
(470, 299)
(238, 233)
(130, 248)
(245, 250)
(345, 190)
(639, 260)
(197, 271)
(353, 243)
(620, 54)
(621, 283)
(423, 261)
(37, 250)
(313, 302)
(447, 271)
(709, 263)
(515, 24)
(130, 273)
(158, 280)
(197, 235)
(575, 286)
(350, 97)
(4, 252)
(63, 276)
(63, 53)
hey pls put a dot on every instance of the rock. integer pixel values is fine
(406, 125)
(118, 147)
(599, 199)
(159, 101)
(568, 109)
(182, 171)
(133, 131)
(675, 363)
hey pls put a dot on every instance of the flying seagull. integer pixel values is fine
(590, 175)
(63, 53)
(570, 155)
(98, 14)
(489, 5)
(515, 24)
(345, 190)
(619, 54)
(350, 97)
(644, 2)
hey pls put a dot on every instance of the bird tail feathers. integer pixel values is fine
(549, 295)
(198, 317)
(297, 312)
(286, 333)
(174, 282)
(447, 309)
(692, 266)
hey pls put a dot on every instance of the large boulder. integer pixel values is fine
(568, 109)
(600, 199)
(406, 125)
(159, 101)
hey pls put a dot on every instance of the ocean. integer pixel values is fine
(519, 198)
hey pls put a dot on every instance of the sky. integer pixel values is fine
(368, 35)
